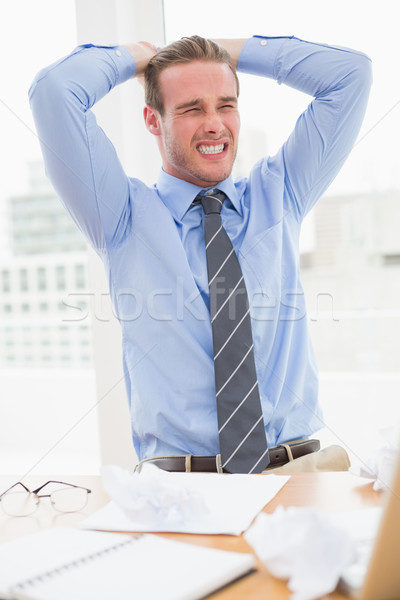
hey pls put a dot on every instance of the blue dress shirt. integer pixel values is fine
(152, 240)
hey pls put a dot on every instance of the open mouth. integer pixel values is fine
(211, 148)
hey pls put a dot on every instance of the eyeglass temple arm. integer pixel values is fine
(61, 482)
(13, 485)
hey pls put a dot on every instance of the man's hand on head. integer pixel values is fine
(152, 47)
(233, 47)
(141, 52)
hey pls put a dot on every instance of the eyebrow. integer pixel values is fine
(196, 101)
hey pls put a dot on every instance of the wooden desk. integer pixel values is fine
(328, 491)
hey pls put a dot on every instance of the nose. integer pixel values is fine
(213, 123)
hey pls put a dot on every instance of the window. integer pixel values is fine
(391, 260)
(80, 276)
(357, 351)
(60, 277)
(23, 280)
(41, 279)
(5, 277)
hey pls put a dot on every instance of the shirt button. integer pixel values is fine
(118, 52)
(263, 42)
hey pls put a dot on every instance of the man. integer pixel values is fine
(152, 239)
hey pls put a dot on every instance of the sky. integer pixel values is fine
(34, 34)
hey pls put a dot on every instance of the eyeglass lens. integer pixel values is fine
(69, 499)
(19, 503)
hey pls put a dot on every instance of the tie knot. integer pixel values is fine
(212, 201)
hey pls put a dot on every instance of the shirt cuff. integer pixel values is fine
(122, 59)
(259, 54)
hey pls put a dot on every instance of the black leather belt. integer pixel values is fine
(278, 456)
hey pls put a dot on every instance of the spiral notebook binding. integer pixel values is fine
(28, 583)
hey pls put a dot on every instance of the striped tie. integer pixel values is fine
(243, 444)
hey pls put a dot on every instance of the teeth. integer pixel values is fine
(211, 149)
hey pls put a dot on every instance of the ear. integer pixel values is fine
(152, 120)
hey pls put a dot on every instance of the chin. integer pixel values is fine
(213, 178)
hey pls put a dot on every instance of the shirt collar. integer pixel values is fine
(178, 194)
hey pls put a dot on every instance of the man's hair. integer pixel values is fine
(185, 50)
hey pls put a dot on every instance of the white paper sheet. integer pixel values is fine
(207, 503)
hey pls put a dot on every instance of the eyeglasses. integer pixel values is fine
(17, 502)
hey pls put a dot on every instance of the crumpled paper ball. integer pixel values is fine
(151, 494)
(303, 547)
(381, 464)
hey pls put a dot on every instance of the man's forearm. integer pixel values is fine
(233, 46)
(141, 53)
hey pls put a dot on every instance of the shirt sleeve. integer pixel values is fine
(339, 80)
(80, 160)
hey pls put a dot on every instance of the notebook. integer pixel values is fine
(375, 574)
(67, 564)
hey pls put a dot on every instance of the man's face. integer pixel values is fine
(198, 132)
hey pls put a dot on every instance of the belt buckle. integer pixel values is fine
(218, 463)
(188, 463)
